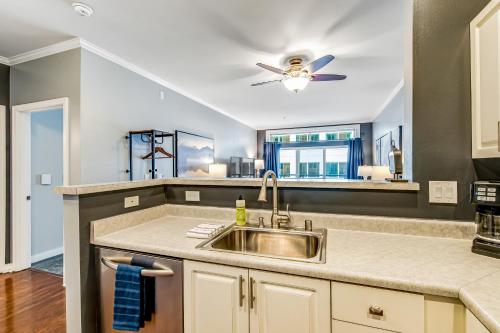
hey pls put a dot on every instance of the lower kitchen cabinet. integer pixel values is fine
(212, 298)
(226, 299)
(343, 327)
(376, 307)
(222, 299)
(291, 304)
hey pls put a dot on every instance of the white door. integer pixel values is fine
(485, 82)
(291, 304)
(215, 298)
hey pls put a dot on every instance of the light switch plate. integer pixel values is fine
(443, 192)
(192, 195)
(131, 201)
(45, 179)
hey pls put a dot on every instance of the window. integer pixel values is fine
(288, 163)
(314, 137)
(317, 152)
(285, 170)
(336, 162)
(321, 162)
(280, 138)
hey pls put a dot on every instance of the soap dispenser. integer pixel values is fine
(241, 214)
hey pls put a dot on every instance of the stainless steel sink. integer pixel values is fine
(292, 244)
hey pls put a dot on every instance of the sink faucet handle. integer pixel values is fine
(308, 224)
(261, 222)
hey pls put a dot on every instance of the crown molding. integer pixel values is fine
(4, 61)
(45, 51)
(77, 42)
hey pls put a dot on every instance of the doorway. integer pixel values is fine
(40, 162)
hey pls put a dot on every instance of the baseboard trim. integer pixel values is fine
(46, 255)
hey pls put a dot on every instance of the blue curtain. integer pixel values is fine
(354, 158)
(272, 156)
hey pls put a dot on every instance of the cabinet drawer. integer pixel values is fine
(343, 327)
(380, 308)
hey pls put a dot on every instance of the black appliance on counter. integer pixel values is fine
(486, 196)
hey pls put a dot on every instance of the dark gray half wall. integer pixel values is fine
(94, 207)
(337, 201)
(441, 101)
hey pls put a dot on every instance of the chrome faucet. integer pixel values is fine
(276, 219)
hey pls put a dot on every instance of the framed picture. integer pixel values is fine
(383, 145)
(193, 154)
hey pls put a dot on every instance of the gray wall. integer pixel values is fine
(46, 158)
(391, 117)
(441, 101)
(52, 77)
(4, 84)
(48, 78)
(4, 100)
(116, 100)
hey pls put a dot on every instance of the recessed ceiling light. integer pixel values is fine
(83, 9)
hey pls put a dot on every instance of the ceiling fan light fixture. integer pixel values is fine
(296, 82)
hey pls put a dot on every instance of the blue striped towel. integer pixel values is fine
(127, 304)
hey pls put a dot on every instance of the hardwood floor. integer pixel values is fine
(32, 302)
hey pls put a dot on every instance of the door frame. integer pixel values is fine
(21, 173)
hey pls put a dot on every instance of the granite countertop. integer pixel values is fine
(240, 182)
(428, 265)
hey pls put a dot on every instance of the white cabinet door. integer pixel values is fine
(291, 304)
(473, 325)
(485, 81)
(215, 298)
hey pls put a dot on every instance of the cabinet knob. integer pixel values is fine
(376, 310)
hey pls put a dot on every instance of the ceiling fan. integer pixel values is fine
(297, 76)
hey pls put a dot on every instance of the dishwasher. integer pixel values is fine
(168, 315)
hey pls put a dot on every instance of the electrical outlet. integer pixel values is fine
(192, 195)
(131, 201)
(443, 192)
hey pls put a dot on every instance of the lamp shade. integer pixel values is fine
(381, 173)
(365, 170)
(217, 170)
(259, 164)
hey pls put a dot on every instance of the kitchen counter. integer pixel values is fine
(428, 265)
(240, 182)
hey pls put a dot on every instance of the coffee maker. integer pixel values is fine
(486, 197)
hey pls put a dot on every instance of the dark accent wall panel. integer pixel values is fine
(442, 102)
(389, 203)
(94, 207)
(5, 100)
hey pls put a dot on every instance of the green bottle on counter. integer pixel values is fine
(241, 214)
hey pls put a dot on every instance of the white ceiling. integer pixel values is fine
(209, 48)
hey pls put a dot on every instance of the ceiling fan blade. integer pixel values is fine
(271, 68)
(265, 82)
(328, 77)
(317, 64)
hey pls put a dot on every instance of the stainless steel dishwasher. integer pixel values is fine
(168, 316)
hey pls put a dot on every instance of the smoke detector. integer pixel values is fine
(83, 9)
